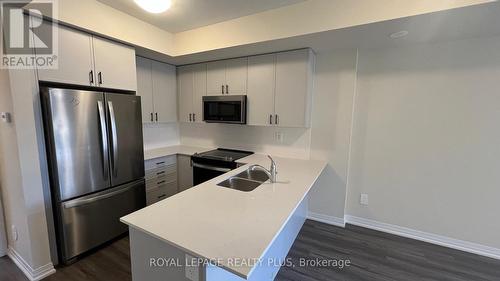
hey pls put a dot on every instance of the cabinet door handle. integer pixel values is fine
(227, 89)
(99, 76)
(222, 89)
(151, 116)
(156, 115)
(276, 119)
(91, 77)
(190, 117)
(194, 117)
(270, 119)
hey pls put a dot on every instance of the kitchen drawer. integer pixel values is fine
(160, 162)
(161, 192)
(169, 170)
(153, 183)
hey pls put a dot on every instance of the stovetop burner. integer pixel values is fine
(222, 154)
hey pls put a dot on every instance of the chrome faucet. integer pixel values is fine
(271, 173)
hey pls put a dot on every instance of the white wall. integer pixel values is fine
(334, 87)
(32, 248)
(296, 141)
(3, 234)
(426, 139)
(10, 175)
(160, 135)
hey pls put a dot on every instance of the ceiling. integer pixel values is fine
(188, 14)
(456, 24)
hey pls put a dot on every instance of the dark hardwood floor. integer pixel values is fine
(371, 255)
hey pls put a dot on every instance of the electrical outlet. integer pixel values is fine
(192, 271)
(363, 199)
(15, 235)
(279, 137)
(5, 117)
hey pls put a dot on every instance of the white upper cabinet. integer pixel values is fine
(75, 60)
(261, 85)
(157, 86)
(236, 76)
(280, 89)
(87, 60)
(145, 88)
(227, 77)
(294, 81)
(192, 86)
(216, 78)
(185, 88)
(164, 92)
(199, 90)
(114, 65)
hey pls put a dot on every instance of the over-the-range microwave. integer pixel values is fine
(225, 109)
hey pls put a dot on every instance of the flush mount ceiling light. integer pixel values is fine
(398, 34)
(154, 6)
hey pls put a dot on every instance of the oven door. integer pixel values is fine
(204, 172)
(224, 109)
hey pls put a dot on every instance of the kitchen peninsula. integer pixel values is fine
(243, 235)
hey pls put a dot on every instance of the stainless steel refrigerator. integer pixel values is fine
(96, 159)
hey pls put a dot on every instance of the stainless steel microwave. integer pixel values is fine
(225, 109)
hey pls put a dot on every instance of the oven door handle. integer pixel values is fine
(218, 169)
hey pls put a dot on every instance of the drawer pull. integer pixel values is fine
(162, 196)
(160, 182)
(159, 173)
(159, 163)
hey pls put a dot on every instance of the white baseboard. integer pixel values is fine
(32, 274)
(444, 241)
(326, 219)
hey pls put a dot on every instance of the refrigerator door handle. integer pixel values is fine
(114, 137)
(85, 201)
(104, 138)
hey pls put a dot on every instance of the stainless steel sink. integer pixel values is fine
(245, 181)
(255, 175)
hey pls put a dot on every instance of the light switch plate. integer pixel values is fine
(363, 199)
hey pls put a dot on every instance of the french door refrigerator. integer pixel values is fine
(96, 159)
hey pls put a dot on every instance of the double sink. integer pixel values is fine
(247, 180)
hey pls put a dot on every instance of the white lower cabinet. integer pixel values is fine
(184, 172)
(161, 178)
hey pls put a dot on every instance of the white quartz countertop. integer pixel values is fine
(219, 223)
(171, 150)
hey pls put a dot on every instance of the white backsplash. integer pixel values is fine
(294, 143)
(160, 135)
